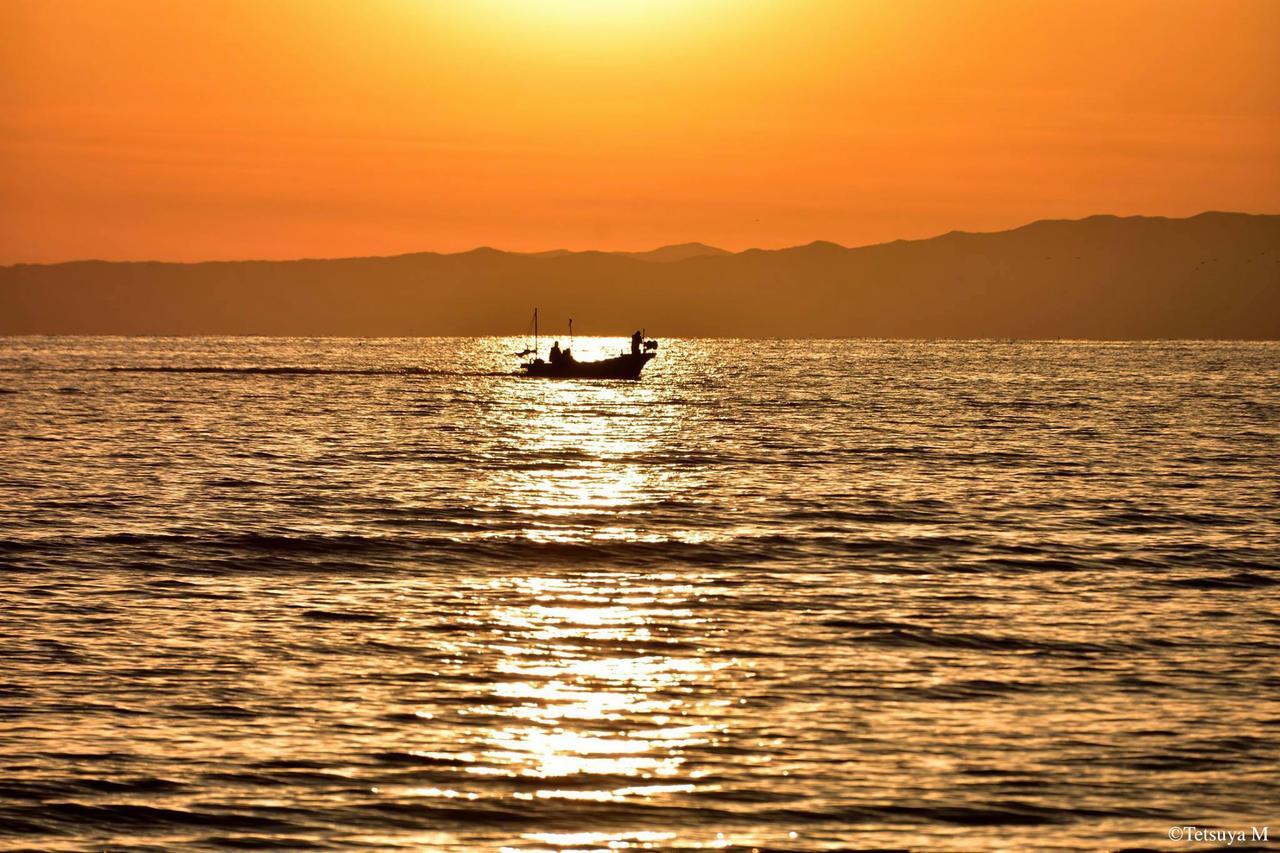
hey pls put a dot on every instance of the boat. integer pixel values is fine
(564, 366)
(626, 366)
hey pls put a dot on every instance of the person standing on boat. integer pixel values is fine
(555, 353)
(637, 338)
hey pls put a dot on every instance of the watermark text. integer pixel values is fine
(1252, 835)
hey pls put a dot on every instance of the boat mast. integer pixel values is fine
(535, 332)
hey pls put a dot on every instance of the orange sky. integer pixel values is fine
(184, 130)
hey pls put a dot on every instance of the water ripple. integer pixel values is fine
(343, 594)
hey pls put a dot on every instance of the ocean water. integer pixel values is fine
(783, 595)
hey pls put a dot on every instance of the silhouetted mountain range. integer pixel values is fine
(1216, 275)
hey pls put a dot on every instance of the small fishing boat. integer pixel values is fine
(562, 365)
(626, 366)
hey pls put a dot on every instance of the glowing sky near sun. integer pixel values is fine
(184, 130)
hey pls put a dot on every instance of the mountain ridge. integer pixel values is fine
(1216, 274)
(707, 250)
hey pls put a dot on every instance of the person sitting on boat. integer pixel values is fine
(637, 338)
(555, 353)
(567, 356)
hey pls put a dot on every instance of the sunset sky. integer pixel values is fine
(141, 129)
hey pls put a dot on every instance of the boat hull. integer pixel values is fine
(623, 367)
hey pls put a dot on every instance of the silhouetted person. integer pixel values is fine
(555, 353)
(637, 338)
(567, 356)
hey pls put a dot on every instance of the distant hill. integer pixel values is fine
(1216, 275)
(679, 252)
(663, 254)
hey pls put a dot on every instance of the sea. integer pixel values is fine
(388, 594)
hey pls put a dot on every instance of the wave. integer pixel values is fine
(52, 789)
(441, 538)
(500, 542)
(888, 633)
(120, 815)
(300, 371)
(342, 616)
(1237, 581)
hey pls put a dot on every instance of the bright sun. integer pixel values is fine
(594, 12)
(611, 19)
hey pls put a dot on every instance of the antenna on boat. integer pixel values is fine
(570, 331)
(535, 332)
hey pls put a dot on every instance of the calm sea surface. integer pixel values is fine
(383, 594)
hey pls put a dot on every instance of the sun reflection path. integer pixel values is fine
(587, 708)
(608, 696)
(586, 461)
(607, 690)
